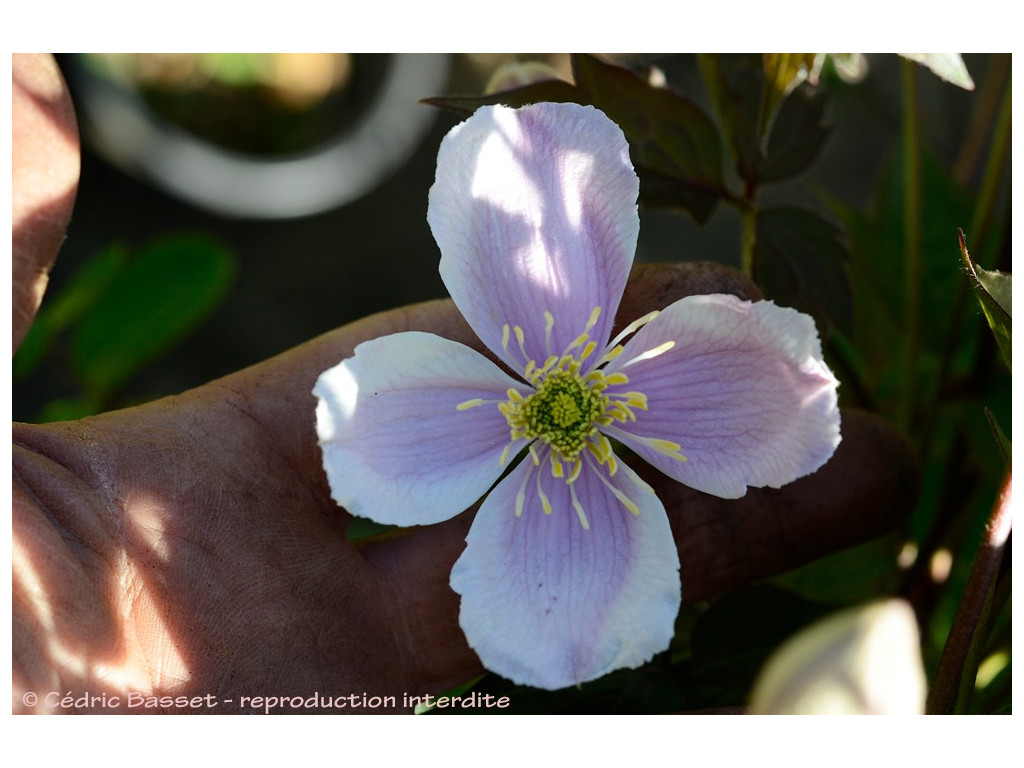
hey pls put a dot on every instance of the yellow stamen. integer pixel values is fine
(653, 352)
(579, 508)
(543, 497)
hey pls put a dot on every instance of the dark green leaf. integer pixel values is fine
(736, 85)
(774, 124)
(800, 261)
(360, 528)
(993, 290)
(732, 640)
(77, 296)
(783, 72)
(1002, 442)
(796, 135)
(675, 147)
(876, 270)
(857, 574)
(161, 295)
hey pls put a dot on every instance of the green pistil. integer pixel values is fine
(563, 412)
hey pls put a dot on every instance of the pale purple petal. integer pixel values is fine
(396, 449)
(743, 392)
(549, 604)
(534, 210)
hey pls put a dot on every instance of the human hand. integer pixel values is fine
(190, 547)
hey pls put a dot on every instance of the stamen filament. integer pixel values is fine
(549, 323)
(579, 508)
(623, 498)
(521, 493)
(521, 339)
(533, 454)
(662, 446)
(635, 326)
(544, 502)
(654, 352)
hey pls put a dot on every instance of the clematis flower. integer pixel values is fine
(570, 570)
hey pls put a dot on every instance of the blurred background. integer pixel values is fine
(254, 201)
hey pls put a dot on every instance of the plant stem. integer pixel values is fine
(748, 222)
(998, 162)
(960, 657)
(976, 136)
(911, 241)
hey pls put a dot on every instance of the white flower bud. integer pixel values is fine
(865, 660)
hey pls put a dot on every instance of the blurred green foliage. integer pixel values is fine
(121, 311)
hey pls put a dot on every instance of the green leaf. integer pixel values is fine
(1002, 442)
(852, 575)
(993, 290)
(76, 297)
(734, 637)
(458, 690)
(159, 297)
(800, 260)
(774, 120)
(736, 84)
(360, 528)
(876, 269)
(783, 72)
(674, 145)
(797, 134)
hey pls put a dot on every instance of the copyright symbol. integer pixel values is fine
(29, 699)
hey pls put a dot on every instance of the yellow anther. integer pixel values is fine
(465, 406)
(579, 509)
(579, 340)
(543, 497)
(664, 447)
(533, 454)
(610, 355)
(521, 340)
(556, 466)
(634, 399)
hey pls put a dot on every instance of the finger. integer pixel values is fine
(867, 489)
(44, 179)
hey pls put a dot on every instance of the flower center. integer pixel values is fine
(563, 412)
(568, 410)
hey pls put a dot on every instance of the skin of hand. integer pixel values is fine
(190, 548)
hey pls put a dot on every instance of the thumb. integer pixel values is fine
(44, 179)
